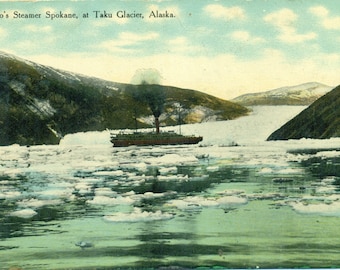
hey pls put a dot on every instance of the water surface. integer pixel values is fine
(256, 205)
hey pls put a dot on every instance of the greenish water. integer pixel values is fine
(186, 207)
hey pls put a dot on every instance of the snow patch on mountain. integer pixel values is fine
(303, 94)
(42, 108)
(301, 91)
(197, 114)
(200, 114)
(17, 87)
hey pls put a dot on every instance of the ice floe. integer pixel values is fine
(86, 168)
(138, 215)
(9, 194)
(198, 202)
(35, 203)
(24, 213)
(323, 209)
(105, 200)
(171, 159)
(55, 193)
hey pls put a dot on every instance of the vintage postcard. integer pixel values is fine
(168, 134)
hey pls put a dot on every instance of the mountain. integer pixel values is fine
(303, 94)
(321, 120)
(40, 104)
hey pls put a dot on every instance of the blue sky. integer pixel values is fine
(224, 48)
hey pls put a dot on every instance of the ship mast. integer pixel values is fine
(179, 107)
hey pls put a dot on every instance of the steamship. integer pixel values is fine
(152, 138)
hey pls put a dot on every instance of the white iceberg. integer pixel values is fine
(105, 200)
(24, 213)
(138, 216)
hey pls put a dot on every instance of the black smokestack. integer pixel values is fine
(149, 91)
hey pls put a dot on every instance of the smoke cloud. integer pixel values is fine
(147, 89)
(147, 76)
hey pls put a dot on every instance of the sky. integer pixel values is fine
(224, 48)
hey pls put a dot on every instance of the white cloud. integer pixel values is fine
(126, 39)
(183, 45)
(131, 37)
(332, 23)
(319, 11)
(290, 36)
(23, 45)
(246, 37)
(3, 32)
(179, 41)
(328, 22)
(37, 28)
(284, 21)
(226, 13)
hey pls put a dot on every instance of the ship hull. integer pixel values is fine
(155, 141)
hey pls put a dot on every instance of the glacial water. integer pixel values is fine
(233, 201)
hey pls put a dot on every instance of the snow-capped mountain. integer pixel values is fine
(62, 75)
(303, 94)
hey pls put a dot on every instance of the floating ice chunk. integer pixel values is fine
(282, 180)
(90, 180)
(229, 192)
(109, 173)
(24, 213)
(193, 202)
(172, 159)
(14, 172)
(60, 185)
(323, 209)
(147, 195)
(138, 178)
(213, 168)
(231, 201)
(265, 196)
(328, 154)
(290, 171)
(9, 194)
(266, 170)
(328, 180)
(325, 189)
(184, 205)
(35, 203)
(333, 197)
(104, 200)
(129, 193)
(177, 178)
(151, 195)
(83, 188)
(104, 191)
(138, 216)
(167, 170)
(56, 193)
(142, 167)
(199, 202)
(84, 244)
(205, 202)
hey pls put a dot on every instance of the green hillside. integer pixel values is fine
(321, 120)
(39, 104)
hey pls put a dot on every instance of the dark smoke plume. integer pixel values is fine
(147, 89)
